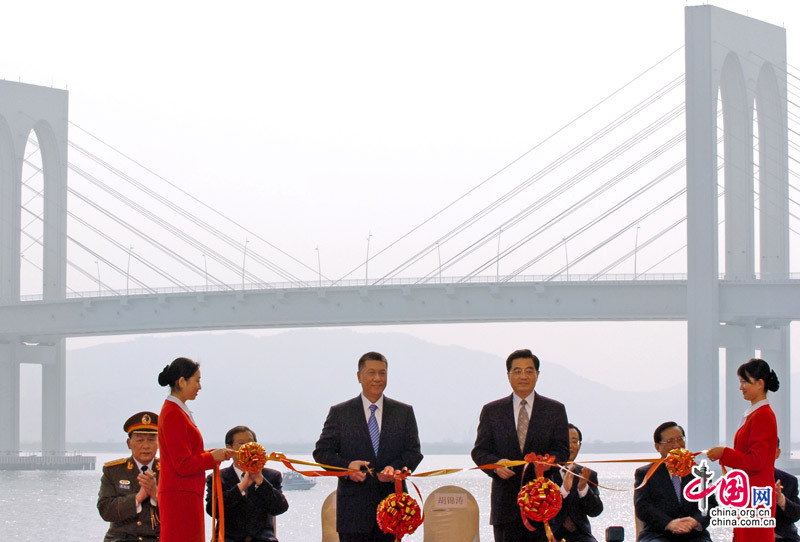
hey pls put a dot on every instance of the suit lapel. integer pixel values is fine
(229, 476)
(388, 419)
(509, 424)
(666, 482)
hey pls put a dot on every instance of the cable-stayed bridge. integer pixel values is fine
(675, 198)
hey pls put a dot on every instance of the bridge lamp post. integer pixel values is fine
(499, 233)
(366, 263)
(244, 259)
(319, 266)
(205, 267)
(566, 256)
(99, 293)
(635, 251)
(128, 272)
(439, 252)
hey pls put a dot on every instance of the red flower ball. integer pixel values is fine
(252, 457)
(399, 515)
(540, 499)
(680, 462)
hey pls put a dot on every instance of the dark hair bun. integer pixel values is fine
(772, 383)
(758, 369)
(164, 378)
(179, 368)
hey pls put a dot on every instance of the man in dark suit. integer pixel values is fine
(580, 497)
(660, 505)
(128, 489)
(508, 430)
(251, 500)
(374, 435)
(787, 504)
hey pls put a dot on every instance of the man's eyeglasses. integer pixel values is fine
(519, 372)
(673, 440)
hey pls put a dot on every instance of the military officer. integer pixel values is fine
(129, 486)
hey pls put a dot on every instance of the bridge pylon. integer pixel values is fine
(25, 109)
(740, 63)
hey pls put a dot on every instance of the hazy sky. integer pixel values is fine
(316, 123)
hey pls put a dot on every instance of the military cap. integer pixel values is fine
(142, 422)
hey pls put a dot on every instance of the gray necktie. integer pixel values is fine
(522, 425)
(676, 483)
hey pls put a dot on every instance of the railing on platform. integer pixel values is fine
(17, 460)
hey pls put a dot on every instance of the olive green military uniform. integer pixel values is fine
(117, 503)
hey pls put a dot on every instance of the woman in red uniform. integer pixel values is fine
(183, 460)
(756, 441)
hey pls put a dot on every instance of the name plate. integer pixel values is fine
(450, 500)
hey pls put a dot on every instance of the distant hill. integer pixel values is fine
(282, 386)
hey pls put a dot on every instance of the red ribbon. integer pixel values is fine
(539, 462)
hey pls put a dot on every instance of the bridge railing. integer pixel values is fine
(409, 281)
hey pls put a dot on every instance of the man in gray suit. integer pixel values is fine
(374, 435)
(666, 515)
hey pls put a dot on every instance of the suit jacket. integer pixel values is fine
(253, 514)
(116, 502)
(578, 509)
(345, 438)
(656, 504)
(497, 439)
(785, 519)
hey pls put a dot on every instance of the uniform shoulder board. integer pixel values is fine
(115, 462)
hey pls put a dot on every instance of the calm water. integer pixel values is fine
(43, 505)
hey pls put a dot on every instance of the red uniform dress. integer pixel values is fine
(754, 448)
(182, 481)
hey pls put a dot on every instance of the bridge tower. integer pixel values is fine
(740, 62)
(43, 111)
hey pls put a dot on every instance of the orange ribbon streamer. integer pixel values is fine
(343, 471)
(216, 501)
(289, 464)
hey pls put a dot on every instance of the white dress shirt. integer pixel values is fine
(518, 402)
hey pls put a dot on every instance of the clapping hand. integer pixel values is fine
(148, 486)
(780, 498)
